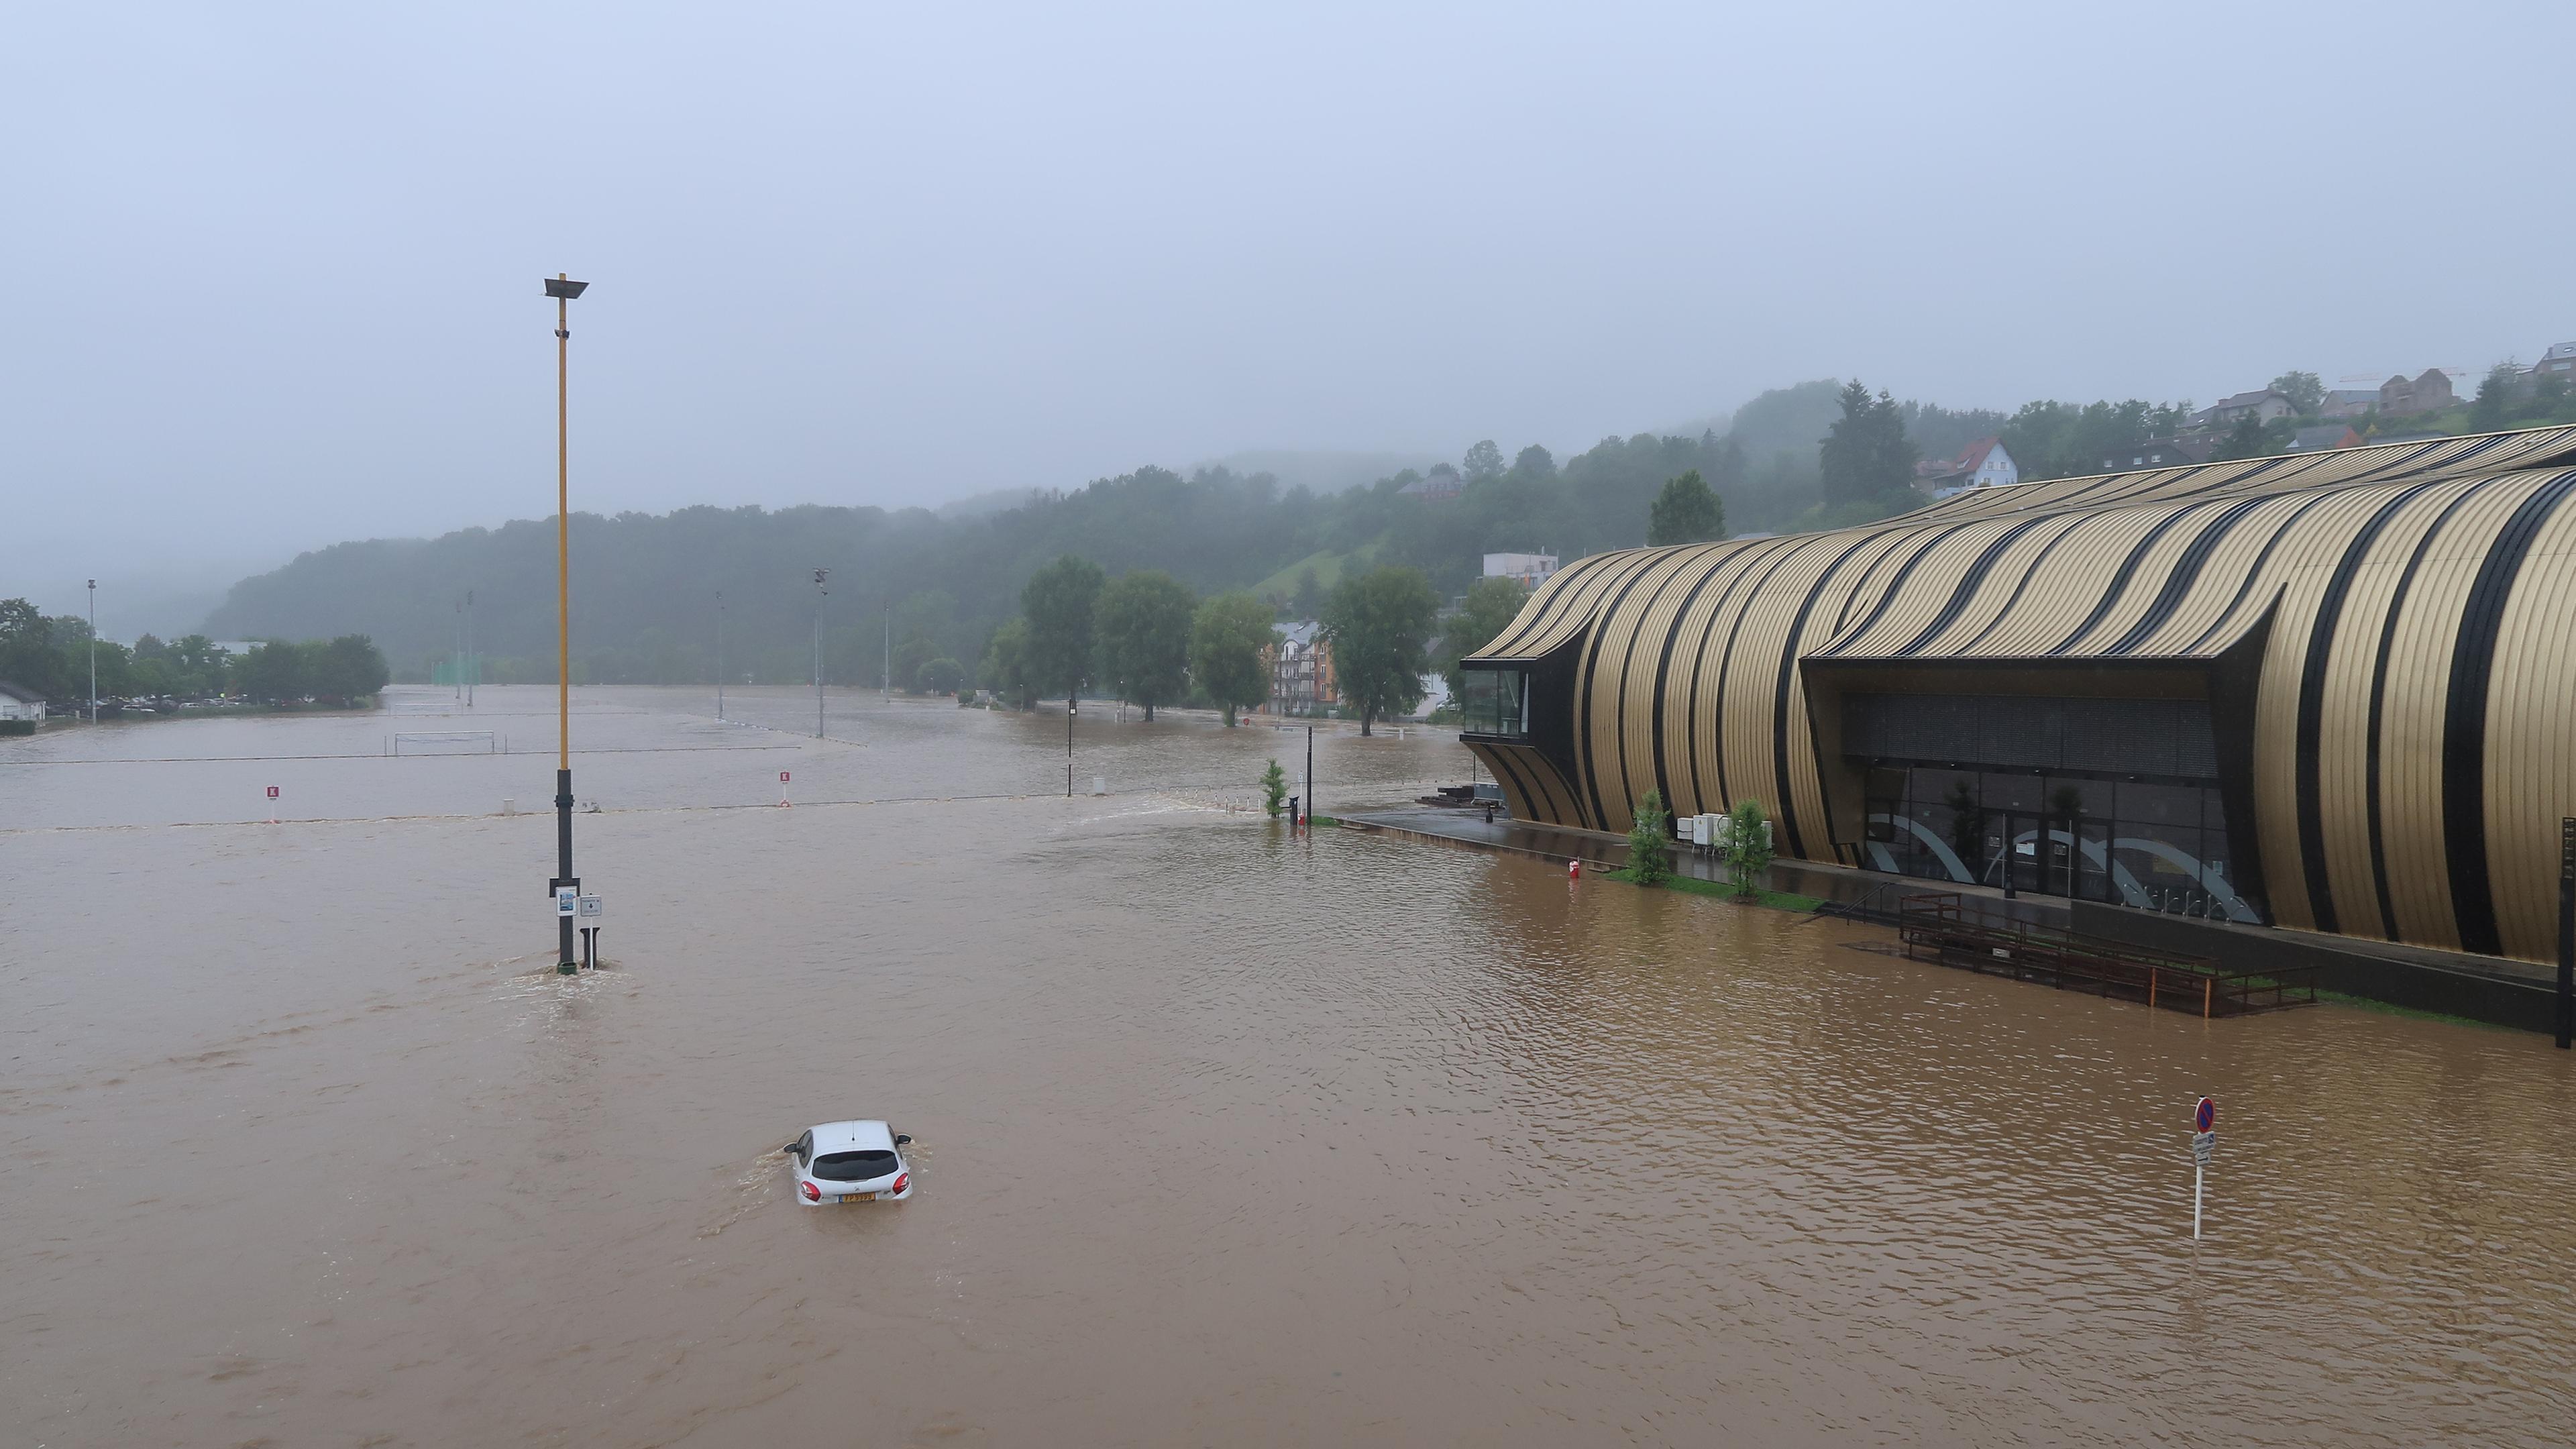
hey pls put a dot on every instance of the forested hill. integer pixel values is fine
(646, 586)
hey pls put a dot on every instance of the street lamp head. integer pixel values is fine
(564, 287)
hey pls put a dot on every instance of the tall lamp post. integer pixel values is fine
(93, 651)
(819, 594)
(469, 648)
(719, 656)
(563, 289)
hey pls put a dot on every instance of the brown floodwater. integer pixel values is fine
(1224, 1137)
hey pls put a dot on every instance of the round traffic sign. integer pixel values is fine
(2204, 1118)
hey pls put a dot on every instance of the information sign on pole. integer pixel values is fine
(591, 909)
(567, 900)
(2204, 1146)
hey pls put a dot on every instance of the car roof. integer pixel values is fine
(857, 1136)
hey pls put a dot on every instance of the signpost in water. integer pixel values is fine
(2204, 1146)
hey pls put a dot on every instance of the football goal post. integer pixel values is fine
(447, 742)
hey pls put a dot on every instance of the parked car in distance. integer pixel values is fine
(850, 1162)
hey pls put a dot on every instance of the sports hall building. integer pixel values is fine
(2334, 691)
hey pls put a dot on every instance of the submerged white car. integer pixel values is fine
(850, 1162)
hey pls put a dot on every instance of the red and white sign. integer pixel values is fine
(272, 792)
(782, 779)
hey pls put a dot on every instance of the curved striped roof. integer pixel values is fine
(2420, 600)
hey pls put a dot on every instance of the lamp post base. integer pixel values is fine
(564, 964)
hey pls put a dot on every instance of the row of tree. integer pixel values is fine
(1145, 638)
(53, 656)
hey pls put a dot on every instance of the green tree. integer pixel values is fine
(273, 673)
(1748, 844)
(1228, 640)
(344, 670)
(1309, 599)
(1059, 603)
(1534, 463)
(1685, 512)
(940, 676)
(1006, 665)
(1490, 607)
(27, 657)
(1380, 628)
(1483, 461)
(1274, 789)
(2305, 390)
(1145, 618)
(2494, 406)
(2245, 440)
(1650, 841)
(202, 665)
(1865, 455)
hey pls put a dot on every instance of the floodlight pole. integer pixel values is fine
(563, 289)
(720, 656)
(93, 651)
(820, 593)
(456, 661)
(469, 647)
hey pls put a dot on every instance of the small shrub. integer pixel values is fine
(1650, 842)
(1748, 845)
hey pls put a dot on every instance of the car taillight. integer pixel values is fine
(813, 1193)
(900, 1179)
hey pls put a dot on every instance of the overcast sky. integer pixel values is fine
(269, 276)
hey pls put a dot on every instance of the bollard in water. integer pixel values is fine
(1574, 870)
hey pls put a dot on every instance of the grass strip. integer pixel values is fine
(1691, 885)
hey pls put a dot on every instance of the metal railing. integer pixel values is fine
(1943, 927)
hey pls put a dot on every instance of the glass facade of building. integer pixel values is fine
(2158, 845)
(1494, 702)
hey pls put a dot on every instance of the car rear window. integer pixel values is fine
(853, 1166)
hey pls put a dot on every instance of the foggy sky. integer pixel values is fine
(271, 272)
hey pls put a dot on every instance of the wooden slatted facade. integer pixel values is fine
(2384, 637)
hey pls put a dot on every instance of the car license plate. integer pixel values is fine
(858, 1197)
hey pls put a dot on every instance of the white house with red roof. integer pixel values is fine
(1981, 464)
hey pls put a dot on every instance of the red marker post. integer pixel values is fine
(782, 789)
(272, 804)
(2204, 1146)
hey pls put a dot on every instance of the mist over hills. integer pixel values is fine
(646, 585)
(921, 583)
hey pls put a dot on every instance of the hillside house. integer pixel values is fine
(2155, 453)
(20, 705)
(2264, 403)
(2430, 392)
(1301, 671)
(2324, 436)
(1441, 485)
(1981, 464)
(1532, 569)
